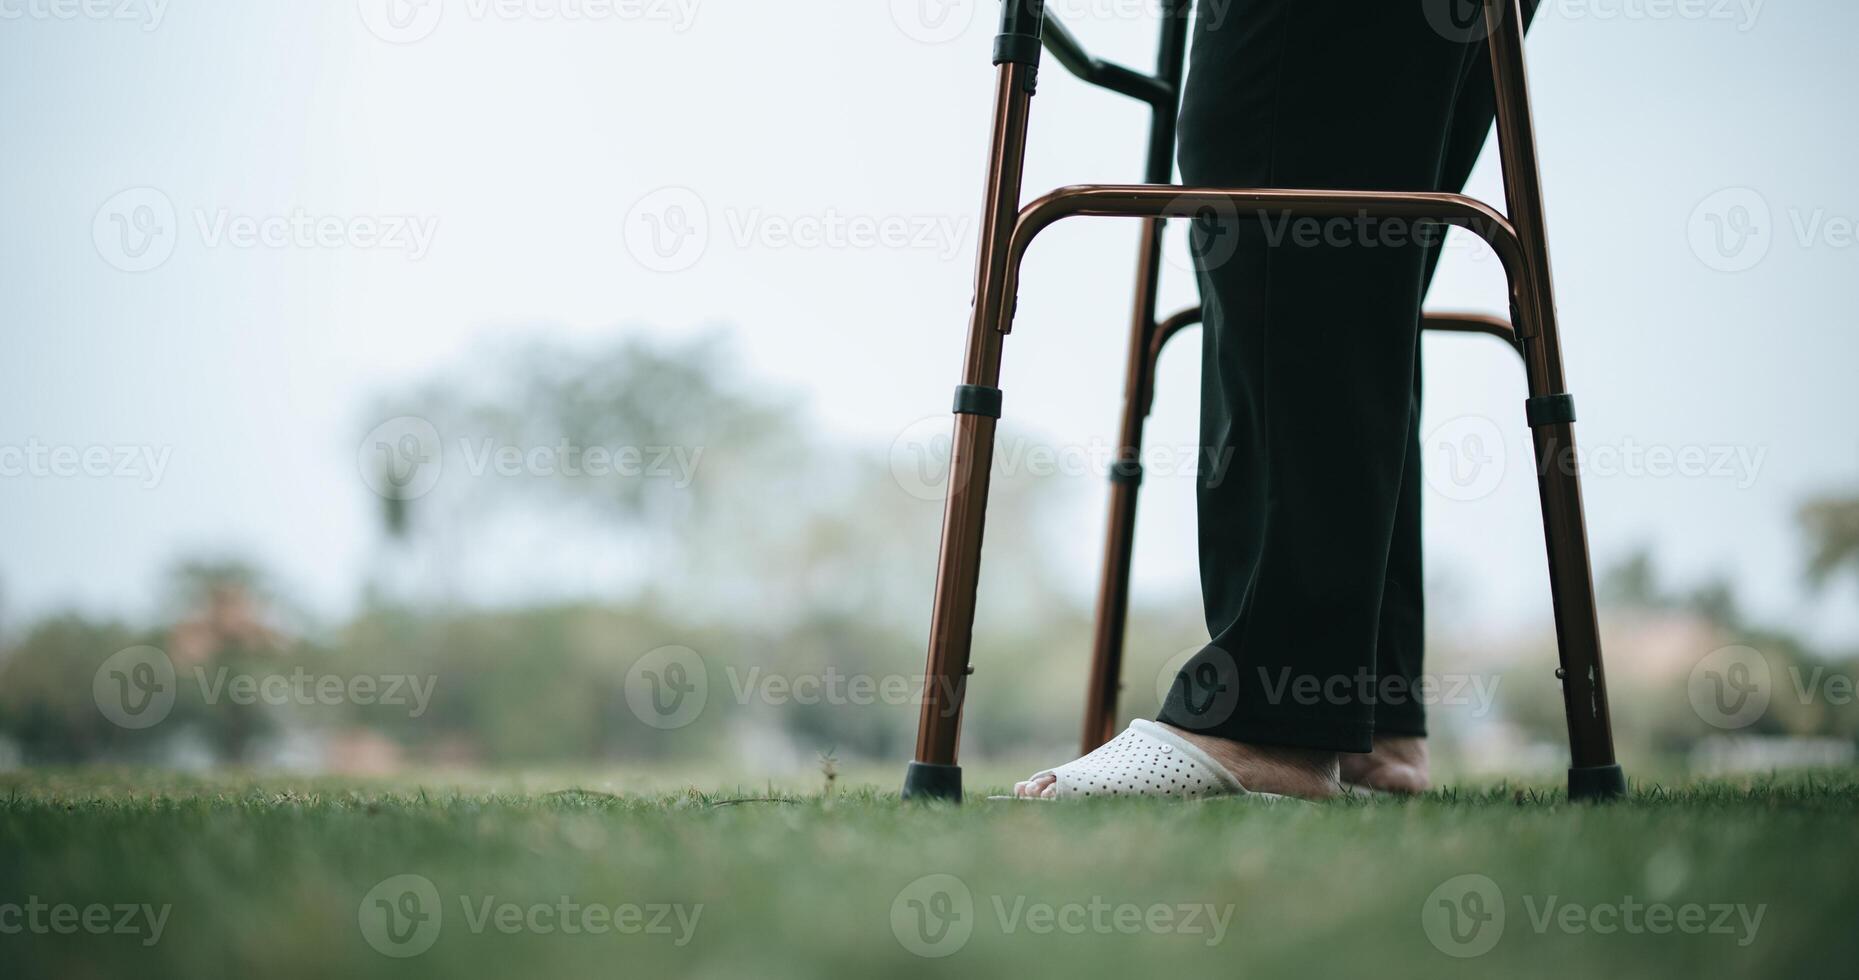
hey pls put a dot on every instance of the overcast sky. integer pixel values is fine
(228, 225)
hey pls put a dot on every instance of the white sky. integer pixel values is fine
(531, 139)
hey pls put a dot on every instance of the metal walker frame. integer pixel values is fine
(1007, 230)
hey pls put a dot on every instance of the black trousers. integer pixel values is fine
(1310, 488)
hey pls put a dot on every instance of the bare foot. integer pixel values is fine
(1397, 765)
(1307, 774)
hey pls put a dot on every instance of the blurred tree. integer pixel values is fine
(1832, 525)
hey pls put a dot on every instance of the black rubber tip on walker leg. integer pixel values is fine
(1597, 784)
(927, 781)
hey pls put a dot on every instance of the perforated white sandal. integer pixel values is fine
(1146, 760)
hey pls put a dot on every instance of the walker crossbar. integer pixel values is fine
(1007, 230)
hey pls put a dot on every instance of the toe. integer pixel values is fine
(1039, 786)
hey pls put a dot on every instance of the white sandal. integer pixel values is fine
(1148, 759)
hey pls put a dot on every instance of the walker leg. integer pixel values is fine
(1593, 774)
(934, 773)
(1113, 593)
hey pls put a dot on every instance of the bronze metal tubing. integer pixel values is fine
(1484, 323)
(1113, 594)
(971, 451)
(1151, 201)
(1578, 633)
(1490, 326)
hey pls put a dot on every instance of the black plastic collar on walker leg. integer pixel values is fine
(928, 781)
(1018, 41)
(978, 400)
(1597, 784)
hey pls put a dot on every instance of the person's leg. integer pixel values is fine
(1309, 360)
(1398, 761)
(1308, 375)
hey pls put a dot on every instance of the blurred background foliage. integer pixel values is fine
(771, 554)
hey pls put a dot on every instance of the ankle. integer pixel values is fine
(1398, 764)
(1305, 773)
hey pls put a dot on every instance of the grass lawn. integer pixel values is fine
(274, 877)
